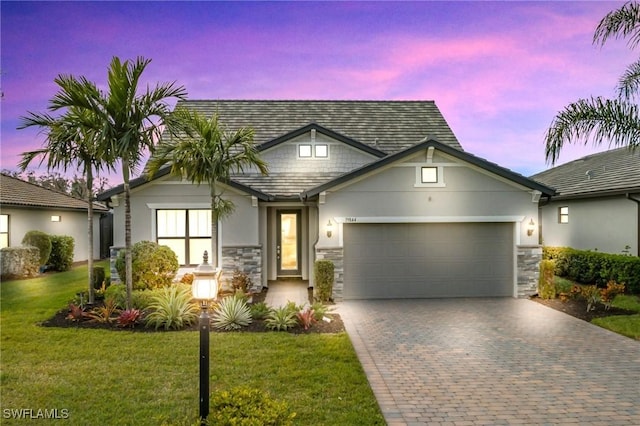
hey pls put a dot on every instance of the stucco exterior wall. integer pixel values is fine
(603, 224)
(73, 224)
(239, 229)
(468, 195)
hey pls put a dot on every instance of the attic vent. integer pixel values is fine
(589, 174)
(375, 142)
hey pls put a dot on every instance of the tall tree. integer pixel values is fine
(206, 152)
(71, 141)
(129, 122)
(599, 119)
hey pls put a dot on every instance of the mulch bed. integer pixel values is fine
(578, 308)
(257, 326)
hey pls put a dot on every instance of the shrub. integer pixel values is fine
(40, 240)
(306, 317)
(104, 313)
(546, 285)
(241, 282)
(172, 308)
(323, 272)
(153, 265)
(117, 292)
(232, 313)
(281, 319)
(129, 318)
(19, 262)
(608, 294)
(244, 406)
(61, 258)
(589, 267)
(592, 295)
(259, 310)
(98, 277)
(320, 310)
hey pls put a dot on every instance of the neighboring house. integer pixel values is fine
(26, 207)
(381, 188)
(596, 207)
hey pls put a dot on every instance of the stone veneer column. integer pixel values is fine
(529, 258)
(113, 256)
(247, 259)
(336, 255)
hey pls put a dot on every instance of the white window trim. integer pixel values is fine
(440, 172)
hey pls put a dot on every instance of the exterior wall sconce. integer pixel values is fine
(56, 218)
(204, 289)
(329, 229)
(531, 227)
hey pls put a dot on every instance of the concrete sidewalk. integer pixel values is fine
(282, 292)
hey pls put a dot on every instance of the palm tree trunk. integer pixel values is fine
(214, 227)
(128, 258)
(90, 233)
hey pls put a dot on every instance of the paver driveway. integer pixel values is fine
(492, 361)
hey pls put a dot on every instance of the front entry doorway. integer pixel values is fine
(288, 249)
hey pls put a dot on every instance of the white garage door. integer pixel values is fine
(427, 260)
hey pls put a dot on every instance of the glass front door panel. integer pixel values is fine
(289, 241)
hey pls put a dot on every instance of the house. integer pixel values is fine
(27, 207)
(381, 188)
(596, 207)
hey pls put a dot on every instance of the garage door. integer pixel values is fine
(420, 260)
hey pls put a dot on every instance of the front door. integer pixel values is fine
(288, 250)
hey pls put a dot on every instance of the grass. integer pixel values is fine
(133, 378)
(627, 325)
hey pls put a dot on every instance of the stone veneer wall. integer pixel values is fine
(529, 258)
(336, 255)
(247, 259)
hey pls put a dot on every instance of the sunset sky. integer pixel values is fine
(499, 71)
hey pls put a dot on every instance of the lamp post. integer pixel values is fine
(204, 289)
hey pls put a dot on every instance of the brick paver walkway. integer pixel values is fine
(492, 362)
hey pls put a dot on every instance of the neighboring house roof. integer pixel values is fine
(18, 193)
(464, 156)
(387, 126)
(607, 173)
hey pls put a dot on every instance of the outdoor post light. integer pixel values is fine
(204, 289)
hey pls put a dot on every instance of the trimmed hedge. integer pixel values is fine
(61, 258)
(588, 267)
(154, 266)
(323, 273)
(19, 262)
(42, 241)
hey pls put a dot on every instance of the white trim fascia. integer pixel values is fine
(429, 219)
(157, 206)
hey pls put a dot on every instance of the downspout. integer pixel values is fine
(629, 197)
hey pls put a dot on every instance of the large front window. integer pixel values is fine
(186, 232)
(4, 230)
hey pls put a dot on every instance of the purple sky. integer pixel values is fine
(499, 71)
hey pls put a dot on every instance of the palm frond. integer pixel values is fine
(598, 120)
(629, 84)
(620, 23)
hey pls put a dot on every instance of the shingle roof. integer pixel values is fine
(607, 173)
(389, 126)
(18, 193)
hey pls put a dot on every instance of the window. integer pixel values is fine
(429, 175)
(313, 150)
(563, 214)
(304, 151)
(4, 230)
(321, 151)
(186, 232)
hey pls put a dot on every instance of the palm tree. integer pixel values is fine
(207, 152)
(597, 119)
(71, 141)
(128, 124)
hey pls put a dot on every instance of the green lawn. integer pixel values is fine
(627, 325)
(138, 378)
